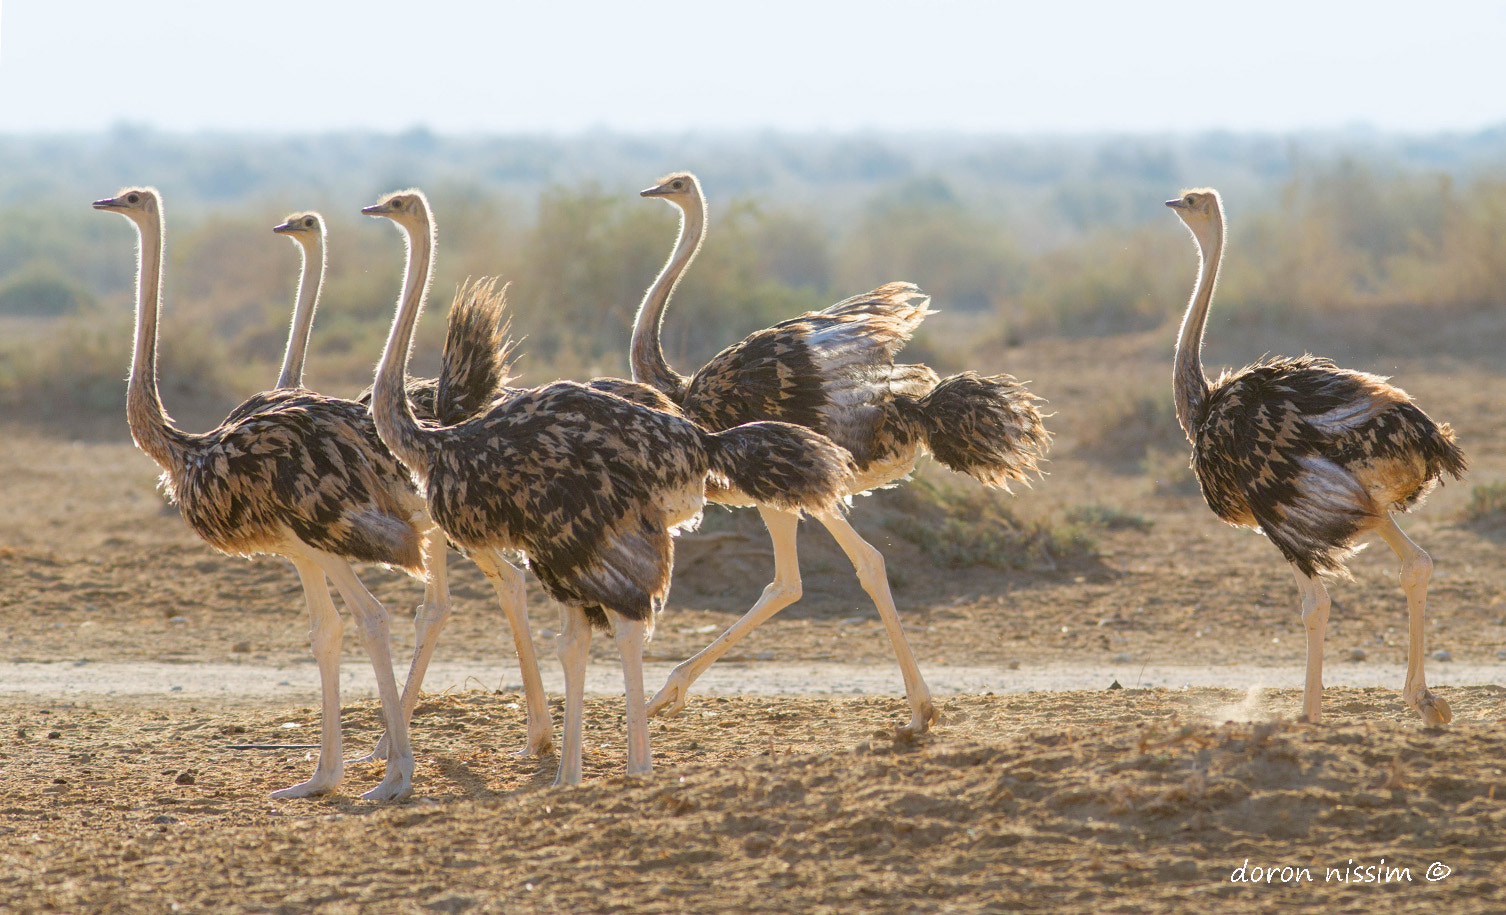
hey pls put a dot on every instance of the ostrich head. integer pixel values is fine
(301, 226)
(1202, 210)
(134, 203)
(677, 188)
(409, 209)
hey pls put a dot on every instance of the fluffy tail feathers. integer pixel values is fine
(477, 351)
(988, 427)
(783, 465)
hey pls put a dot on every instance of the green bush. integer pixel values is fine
(81, 369)
(41, 290)
(1107, 283)
(1108, 517)
(1016, 242)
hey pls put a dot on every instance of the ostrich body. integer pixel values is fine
(587, 485)
(473, 375)
(474, 371)
(833, 371)
(292, 474)
(1313, 455)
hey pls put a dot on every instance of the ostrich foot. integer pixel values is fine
(397, 785)
(669, 701)
(321, 783)
(1434, 710)
(921, 720)
(538, 745)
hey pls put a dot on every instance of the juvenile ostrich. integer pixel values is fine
(1313, 455)
(833, 371)
(296, 475)
(473, 372)
(587, 485)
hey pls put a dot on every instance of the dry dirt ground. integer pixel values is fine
(1085, 799)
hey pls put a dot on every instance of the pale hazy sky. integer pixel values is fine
(458, 66)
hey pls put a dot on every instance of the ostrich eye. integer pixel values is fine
(308, 223)
(678, 185)
(1189, 200)
(133, 198)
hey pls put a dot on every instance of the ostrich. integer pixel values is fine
(587, 485)
(474, 371)
(1312, 455)
(833, 371)
(292, 474)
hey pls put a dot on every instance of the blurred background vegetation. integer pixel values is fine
(1016, 239)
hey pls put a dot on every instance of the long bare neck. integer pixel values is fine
(647, 355)
(151, 427)
(394, 417)
(305, 305)
(1189, 384)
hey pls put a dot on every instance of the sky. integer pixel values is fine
(653, 67)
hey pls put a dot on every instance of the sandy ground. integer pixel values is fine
(1121, 801)
(137, 667)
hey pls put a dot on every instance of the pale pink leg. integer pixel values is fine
(574, 646)
(1416, 569)
(428, 622)
(778, 594)
(869, 563)
(1315, 620)
(630, 638)
(511, 593)
(376, 638)
(324, 636)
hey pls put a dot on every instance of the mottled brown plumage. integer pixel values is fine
(297, 462)
(1313, 455)
(1268, 431)
(293, 474)
(833, 371)
(473, 376)
(587, 485)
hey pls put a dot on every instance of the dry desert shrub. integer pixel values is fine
(1487, 503)
(1124, 429)
(960, 524)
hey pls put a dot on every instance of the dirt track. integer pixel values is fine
(85, 681)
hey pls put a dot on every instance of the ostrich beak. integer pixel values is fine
(285, 228)
(109, 203)
(656, 191)
(376, 209)
(1176, 204)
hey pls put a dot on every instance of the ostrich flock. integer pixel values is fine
(588, 482)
